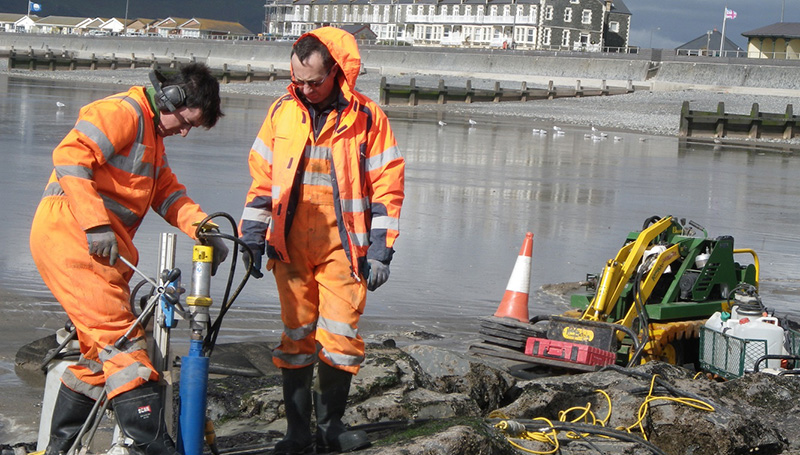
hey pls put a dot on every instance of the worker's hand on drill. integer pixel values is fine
(378, 274)
(258, 253)
(102, 242)
(220, 252)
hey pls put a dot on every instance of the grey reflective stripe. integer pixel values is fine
(258, 215)
(317, 178)
(110, 351)
(276, 191)
(171, 199)
(128, 374)
(261, 148)
(354, 205)
(300, 332)
(294, 359)
(359, 238)
(134, 162)
(343, 359)
(317, 152)
(97, 136)
(126, 215)
(53, 189)
(70, 380)
(384, 158)
(81, 172)
(336, 327)
(385, 222)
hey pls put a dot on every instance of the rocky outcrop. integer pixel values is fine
(425, 400)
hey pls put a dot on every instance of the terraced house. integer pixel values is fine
(581, 25)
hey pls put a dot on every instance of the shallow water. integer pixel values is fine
(472, 194)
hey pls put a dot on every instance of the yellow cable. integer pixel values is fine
(512, 429)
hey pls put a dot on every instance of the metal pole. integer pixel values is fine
(166, 261)
(722, 38)
(783, 7)
(125, 24)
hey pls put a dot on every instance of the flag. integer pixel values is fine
(730, 14)
(35, 6)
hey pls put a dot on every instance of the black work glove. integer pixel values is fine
(103, 242)
(378, 274)
(220, 252)
(258, 253)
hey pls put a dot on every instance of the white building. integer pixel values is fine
(583, 25)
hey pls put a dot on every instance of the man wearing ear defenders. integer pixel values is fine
(110, 170)
(324, 205)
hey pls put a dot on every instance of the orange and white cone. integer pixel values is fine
(515, 300)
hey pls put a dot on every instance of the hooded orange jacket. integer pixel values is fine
(367, 166)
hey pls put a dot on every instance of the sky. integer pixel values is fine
(670, 23)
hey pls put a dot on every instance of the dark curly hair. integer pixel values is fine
(201, 89)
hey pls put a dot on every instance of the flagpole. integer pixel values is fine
(724, 19)
(29, 8)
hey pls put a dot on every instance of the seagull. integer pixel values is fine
(536, 131)
(441, 123)
(472, 122)
(556, 128)
(559, 133)
(60, 104)
(717, 141)
(587, 136)
(617, 138)
(597, 138)
(642, 139)
(594, 130)
(603, 134)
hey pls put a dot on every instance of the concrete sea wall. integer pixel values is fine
(656, 69)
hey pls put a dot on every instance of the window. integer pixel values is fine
(456, 10)
(613, 26)
(567, 14)
(575, 2)
(420, 10)
(533, 14)
(547, 33)
(548, 13)
(565, 38)
(586, 16)
(468, 11)
(493, 10)
(507, 10)
(431, 10)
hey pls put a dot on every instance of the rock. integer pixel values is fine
(425, 400)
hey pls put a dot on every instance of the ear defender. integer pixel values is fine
(168, 98)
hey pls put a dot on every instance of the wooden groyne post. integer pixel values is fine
(756, 124)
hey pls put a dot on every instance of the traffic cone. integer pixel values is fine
(515, 300)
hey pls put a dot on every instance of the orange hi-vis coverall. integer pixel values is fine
(322, 201)
(109, 169)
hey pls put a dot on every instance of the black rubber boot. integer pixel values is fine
(140, 415)
(69, 414)
(297, 402)
(330, 401)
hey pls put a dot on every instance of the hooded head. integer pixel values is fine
(343, 50)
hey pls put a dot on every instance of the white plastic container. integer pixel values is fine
(763, 328)
(52, 383)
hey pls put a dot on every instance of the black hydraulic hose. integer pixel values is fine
(644, 322)
(228, 299)
(598, 430)
(648, 377)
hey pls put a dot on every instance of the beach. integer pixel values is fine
(644, 111)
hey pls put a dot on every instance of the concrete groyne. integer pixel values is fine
(656, 69)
